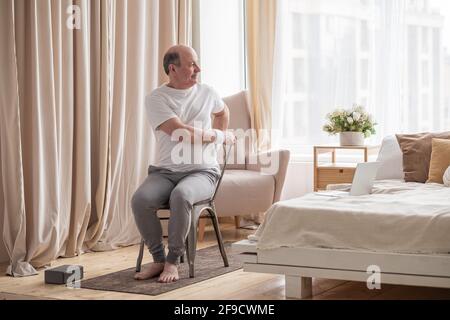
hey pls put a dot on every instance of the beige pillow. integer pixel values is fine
(416, 149)
(440, 160)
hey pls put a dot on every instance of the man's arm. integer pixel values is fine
(220, 122)
(222, 119)
(183, 130)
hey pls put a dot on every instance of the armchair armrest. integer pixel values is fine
(272, 163)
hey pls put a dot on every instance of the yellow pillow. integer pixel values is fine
(440, 160)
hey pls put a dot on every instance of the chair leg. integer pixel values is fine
(140, 256)
(188, 257)
(215, 222)
(237, 221)
(191, 247)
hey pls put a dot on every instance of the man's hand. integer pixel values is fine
(181, 132)
(223, 137)
(230, 138)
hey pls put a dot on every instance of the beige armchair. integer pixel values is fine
(251, 183)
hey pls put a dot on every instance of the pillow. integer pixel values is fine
(440, 160)
(446, 177)
(391, 160)
(416, 149)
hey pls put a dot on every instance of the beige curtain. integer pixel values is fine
(260, 17)
(75, 142)
(260, 41)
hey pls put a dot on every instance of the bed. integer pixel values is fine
(400, 234)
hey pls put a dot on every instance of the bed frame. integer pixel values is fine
(300, 265)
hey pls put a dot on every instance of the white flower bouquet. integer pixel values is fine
(353, 120)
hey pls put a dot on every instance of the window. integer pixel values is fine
(222, 55)
(365, 36)
(364, 74)
(425, 74)
(297, 31)
(391, 56)
(298, 72)
(425, 40)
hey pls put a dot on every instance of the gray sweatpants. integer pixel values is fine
(179, 190)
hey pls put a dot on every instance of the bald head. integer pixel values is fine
(181, 65)
(174, 55)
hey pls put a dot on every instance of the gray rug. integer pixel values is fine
(208, 264)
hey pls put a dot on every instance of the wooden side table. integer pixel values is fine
(335, 172)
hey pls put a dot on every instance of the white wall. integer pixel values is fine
(299, 180)
(222, 45)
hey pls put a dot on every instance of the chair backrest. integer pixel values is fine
(239, 110)
(239, 120)
(226, 154)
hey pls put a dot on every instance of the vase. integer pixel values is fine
(351, 138)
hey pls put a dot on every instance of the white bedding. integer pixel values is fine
(398, 217)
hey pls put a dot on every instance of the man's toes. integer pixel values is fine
(167, 278)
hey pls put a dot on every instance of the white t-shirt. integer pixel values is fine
(194, 107)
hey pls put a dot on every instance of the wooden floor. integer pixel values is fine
(235, 285)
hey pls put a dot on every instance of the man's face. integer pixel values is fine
(186, 74)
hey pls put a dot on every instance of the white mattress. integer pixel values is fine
(398, 217)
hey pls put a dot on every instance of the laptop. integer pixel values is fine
(363, 181)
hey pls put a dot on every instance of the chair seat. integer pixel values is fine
(163, 213)
(253, 191)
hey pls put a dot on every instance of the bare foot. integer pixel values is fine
(151, 271)
(170, 273)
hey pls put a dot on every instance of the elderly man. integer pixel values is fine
(179, 113)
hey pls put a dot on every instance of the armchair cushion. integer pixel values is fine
(273, 162)
(244, 192)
